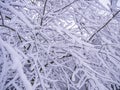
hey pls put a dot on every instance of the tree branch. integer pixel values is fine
(65, 6)
(44, 8)
(3, 25)
(2, 18)
(7, 27)
(103, 26)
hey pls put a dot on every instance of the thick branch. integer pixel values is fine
(103, 25)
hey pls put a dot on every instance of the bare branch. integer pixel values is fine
(103, 26)
(7, 27)
(2, 18)
(44, 8)
(65, 6)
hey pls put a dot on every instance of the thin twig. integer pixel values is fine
(21, 38)
(3, 25)
(14, 31)
(44, 8)
(7, 27)
(2, 18)
(103, 26)
(65, 6)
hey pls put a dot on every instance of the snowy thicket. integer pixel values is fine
(59, 45)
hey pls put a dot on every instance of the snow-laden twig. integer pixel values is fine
(17, 64)
(19, 14)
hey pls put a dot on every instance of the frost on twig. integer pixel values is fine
(43, 45)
